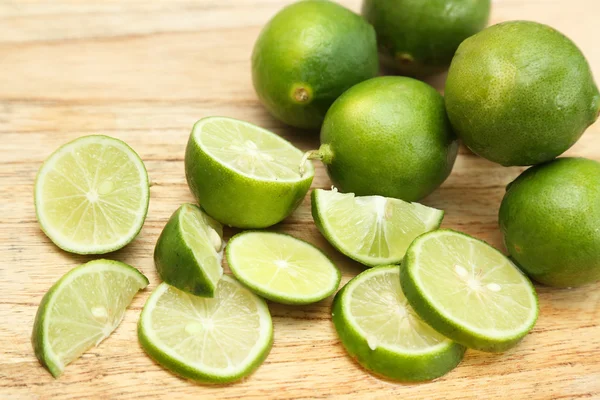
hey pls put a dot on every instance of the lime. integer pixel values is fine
(388, 136)
(419, 38)
(520, 93)
(188, 251)
(81, 310)
(309, 54)
(550, 217)
(372, 230)
(243, 175)
(282, 268)
(468, 291)
(91, 195)
(382, 332)
(212, 340)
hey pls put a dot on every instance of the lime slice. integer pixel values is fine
(468, 291)
(372, 230)
(91, 195)
(382, 332)
(81, 310)
(188, 253)
(243, 175)
(213, 340)
(282, 268)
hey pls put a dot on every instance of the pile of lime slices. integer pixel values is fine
(431, 294)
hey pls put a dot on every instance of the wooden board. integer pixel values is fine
(145, 71)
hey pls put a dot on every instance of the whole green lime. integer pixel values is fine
(419, 38)
(520, 93)
(388, 136)
(307, 56)
(550, 219)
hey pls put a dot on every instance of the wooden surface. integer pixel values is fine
(145, 71)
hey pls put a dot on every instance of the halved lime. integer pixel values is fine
(212, 340)
(82, 309)
(372, 230)
(468, 291)
(91, 195)
(188, 252)
(282, 268)
(381, 331)
(243, 175)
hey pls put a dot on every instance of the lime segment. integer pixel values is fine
(91, 195)
(468, 290)
(213, 340)
(188, 253)
(379, 328)
(372, 230)
(282, 268)
(82, 309)
(243, 175)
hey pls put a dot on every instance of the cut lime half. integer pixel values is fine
(243, 175)
(82, 309)
(282, 268)
(188, 252)
(468, 291)
(381, 331)
(91, 195)
(372, 230)
(212, 340)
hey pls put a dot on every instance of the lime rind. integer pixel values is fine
(372, 230)
(282, 268)
(408, 351)
(417, 289)
(41, 330)
(180, 363)
(83, 246)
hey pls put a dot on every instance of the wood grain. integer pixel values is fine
(145, 71)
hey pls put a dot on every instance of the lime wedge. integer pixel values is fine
(81, 310)
(243, 175)
(212, 340)
(282, 268)
(382, 332)
(188, 252)
(372, 230)
(468, 291)
(91, 195)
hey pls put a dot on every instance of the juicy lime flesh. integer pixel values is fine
(374, 228)
(87, 308)
(282, 266)
(203, 236)
(92, 194)
(250, 150)
(219, 335)
(382, 314)
(474, 284)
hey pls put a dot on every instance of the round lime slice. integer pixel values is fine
(372, 230)
(243, 175)
(91, 195)
(282, 268)
(82, 309)
(188, 252)
(212, 340)
(381, 331)
(468, 291)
